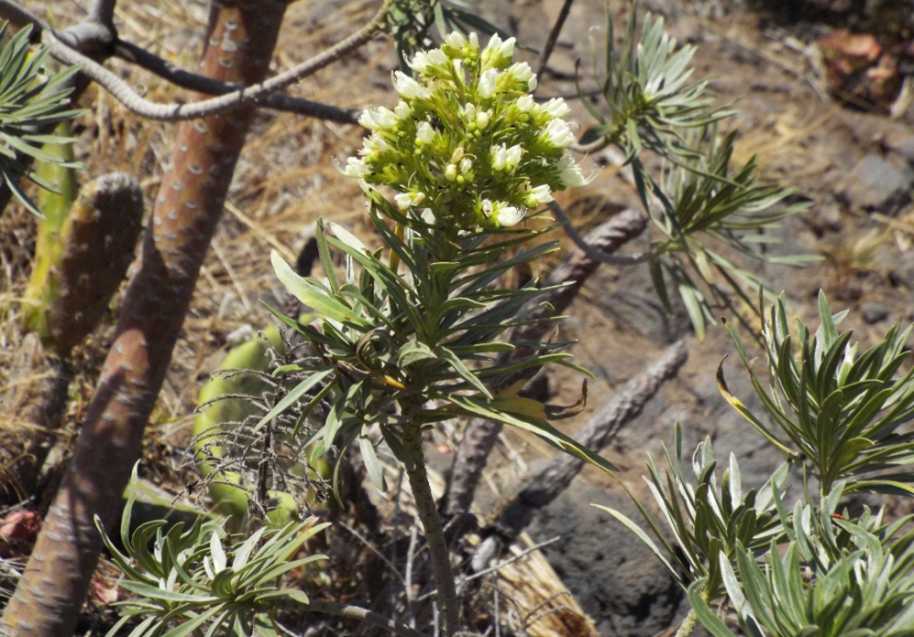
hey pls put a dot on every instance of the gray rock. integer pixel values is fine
(874, 312)
(876, 183)
(617, 580)
(904, 147)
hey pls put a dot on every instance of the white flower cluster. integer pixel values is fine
(467, 145)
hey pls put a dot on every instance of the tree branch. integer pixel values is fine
(80, 36)
(591, 251)
(174, 112)
(20, 17)
(102, 12)
(553, 36)
(164, 69)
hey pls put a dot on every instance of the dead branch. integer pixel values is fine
(174, 112)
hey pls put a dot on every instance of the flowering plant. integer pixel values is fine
(467, 147)
(412, 334)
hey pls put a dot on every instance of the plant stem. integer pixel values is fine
(688, 624)
(409, 451)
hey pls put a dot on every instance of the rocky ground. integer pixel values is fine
(857, 169)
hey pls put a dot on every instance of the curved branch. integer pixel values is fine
(174, 112)
(102, 12)
(553, 36)
(20, 17)
(592, 252)
(164, 69)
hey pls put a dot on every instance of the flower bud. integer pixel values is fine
(406, 200)
(425, 134)
(498, 52)
(558, 134)
(487, 83)
(570, 173)
(538, 196)
(556, 107)
(378, 118)
(408, 88)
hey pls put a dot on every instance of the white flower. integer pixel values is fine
(487, 83)
(456, 40)
(378, 118)
(355, 168)
(538, 196)
(374, 146)
(458, 70)
(499, 157)
(506, 159)
(570, 173)
(501, 213)
(450, 173)
(423, 60)
(558, 133)
(520, 71)
(428, 216)
(525, 103)
(556, 107)
(425, 134)
(482, 119)
(508, 216)
(406, 200)
(468, 112)
(408, 88)
(465, 165)
(512, 156)
(402, 110)
(497, 51)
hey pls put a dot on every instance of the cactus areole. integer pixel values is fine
(239, 44)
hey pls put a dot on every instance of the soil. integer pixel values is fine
(855, 166)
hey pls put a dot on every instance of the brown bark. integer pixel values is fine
(239, 44)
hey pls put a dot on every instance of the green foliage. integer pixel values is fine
(700, 202)
(33, 100)
(836, 578)
(410, 22)
(709, 521)
(412, 337)
(200, 580)
(843, 416)
(837, 411)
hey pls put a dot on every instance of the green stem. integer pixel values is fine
(687, 627)
(408, 449)
(688, 624)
